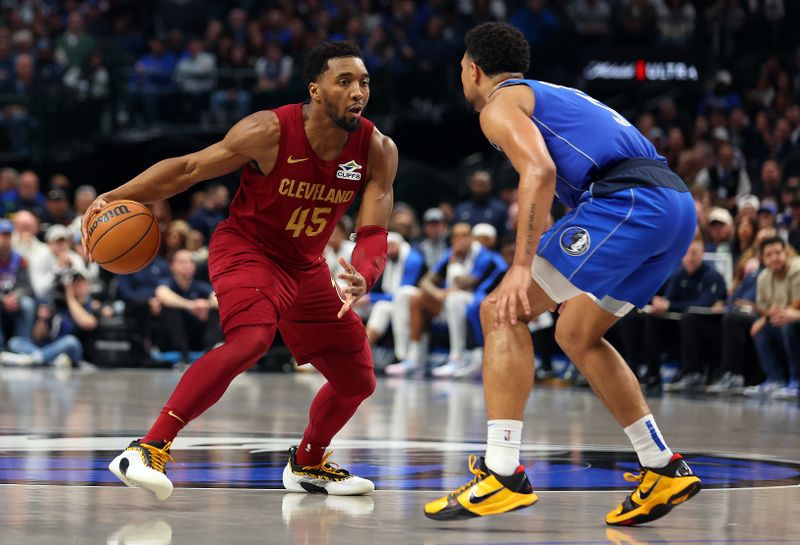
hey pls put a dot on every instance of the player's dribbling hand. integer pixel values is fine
(93, 209)
(511, 296)
(356, 286)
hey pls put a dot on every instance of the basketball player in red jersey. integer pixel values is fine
(303, 164)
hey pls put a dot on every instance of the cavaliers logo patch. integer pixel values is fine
(348, 171)
(575, 241)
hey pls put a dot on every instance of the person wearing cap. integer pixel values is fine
(725, 179)
(482, 207)
(747, 205)
(434, 236)
(767, 214)
(60, 261)
(722, 96)
(57, 209)
(390, 295)
(445, 293)
(486, 234)
(720, 229)
(17, 307)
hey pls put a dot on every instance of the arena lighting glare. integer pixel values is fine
(640, 70)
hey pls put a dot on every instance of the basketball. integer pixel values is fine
(123, 237)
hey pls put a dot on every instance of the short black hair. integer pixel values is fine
(498, 48)
(772, 240)
(318, 59)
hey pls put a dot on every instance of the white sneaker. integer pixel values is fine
(790, 392)
(727, 384)
(447, 370)
(403, 369)
(62, 361)
(325, 478)
(764, 389)
(141, 465)
(473, 366)
(11, 359)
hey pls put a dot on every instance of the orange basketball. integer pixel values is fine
(123, 237)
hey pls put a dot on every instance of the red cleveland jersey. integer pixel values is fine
(292, 211)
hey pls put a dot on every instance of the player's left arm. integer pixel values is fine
(369, 255)
(507, 124)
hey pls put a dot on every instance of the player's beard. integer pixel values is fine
(344, 124)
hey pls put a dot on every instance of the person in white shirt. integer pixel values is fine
(49, 267)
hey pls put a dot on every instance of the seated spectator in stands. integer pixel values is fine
(196, 243)
(769, 186)
(536, 21)
(389, 298)
(486, 234)
(195, 77)
(338, 246)
(15, 113)
(138, 292)
(747, 206)
(695, 284)
(26, 229)
(638, 20)
(404, 221)
(150, 81)
(676, 20)
(722, 96)
(482, 207)
(9, 180)
(777, 331)
(74, 47)
(725, 179)
(17, 307)
(738, 350)
(57, 209)
(27, 196)
(231, 101)
(274, 71)
(743, 243)
(47, 268)
(84, 195)
(186, 304)
(174, 238)
(592, 18)
(434, 242)
(720, 230)
(767, 214)
(699, 293)
(445, 292)
(214, 210)
(59, 342)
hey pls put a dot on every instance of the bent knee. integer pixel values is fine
(573, 340)
(252, 341)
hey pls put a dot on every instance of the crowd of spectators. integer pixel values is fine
(71, 69)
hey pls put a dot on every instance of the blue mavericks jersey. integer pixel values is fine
(583, 136)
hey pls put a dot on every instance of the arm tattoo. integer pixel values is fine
(529, 242)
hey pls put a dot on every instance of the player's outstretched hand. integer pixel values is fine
(511, 296)
(93, 209)
(356, 286)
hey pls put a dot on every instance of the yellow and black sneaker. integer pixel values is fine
(141, 465)
(323, 478)
(486, 494)
(659, 490)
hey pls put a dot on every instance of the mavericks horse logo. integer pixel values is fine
(575, 241)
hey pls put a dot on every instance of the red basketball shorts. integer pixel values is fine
(254, 289)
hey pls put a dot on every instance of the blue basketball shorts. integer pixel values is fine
(619, 248)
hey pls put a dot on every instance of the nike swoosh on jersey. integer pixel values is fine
(478, 499)
(644, 495)
(291, 160)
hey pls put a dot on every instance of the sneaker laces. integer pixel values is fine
(476, 471)
(159, 456)
(325, 465)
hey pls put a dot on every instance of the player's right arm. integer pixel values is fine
(255, 138)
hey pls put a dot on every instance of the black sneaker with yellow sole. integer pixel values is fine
(486, 494)
(659, 490)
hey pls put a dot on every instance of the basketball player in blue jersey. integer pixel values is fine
(631, 221)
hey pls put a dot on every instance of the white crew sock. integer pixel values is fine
(646, 439)
(503, 440)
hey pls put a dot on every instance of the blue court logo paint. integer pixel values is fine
(575, 241)
(236, 462)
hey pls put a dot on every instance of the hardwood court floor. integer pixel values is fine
(59, 430)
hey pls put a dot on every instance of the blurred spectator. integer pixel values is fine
(743, 244)
(274, 71)
(638, 19)
(536, 21)
(592, 18)
(9, 180)
(486, 235)
(84, 195)
(15, 115)
(769, 183)
(231, 101)
(676, 19)
(404, 221)
(747, 206)
(89, 87)
(434, 242)
(720, 230)
(777, 331)
(74, 47)
(174, 238)
(17, 308)
(339, 246)
(26, 229)
(390, 296)
(794, 228)
(49, 269)
(150, 81)
(57, 209)
(482, 207)
(195, 77)
(186, 305)
(214, 210)
(722, 96)
(27, 196)
(725, 179)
